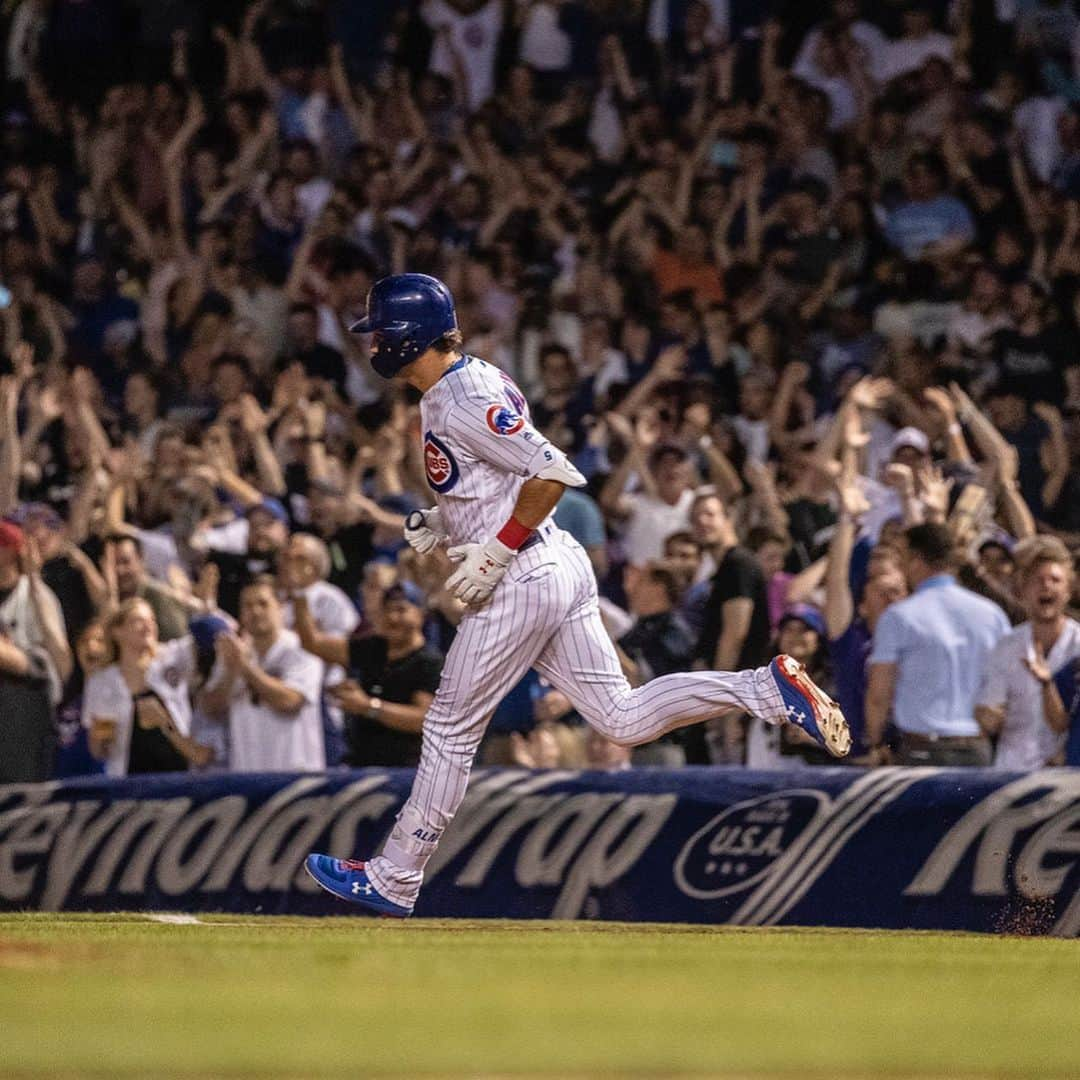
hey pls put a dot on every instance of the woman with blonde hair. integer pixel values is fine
(137, 708)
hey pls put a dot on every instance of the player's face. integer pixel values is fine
(1046, 591)
(879, 593)
(260, 612)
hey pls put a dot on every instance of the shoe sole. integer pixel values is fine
(354, 903)
(830, 720)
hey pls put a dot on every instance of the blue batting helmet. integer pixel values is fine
(407, 313)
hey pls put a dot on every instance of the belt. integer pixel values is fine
(538, 536)
(961, 742)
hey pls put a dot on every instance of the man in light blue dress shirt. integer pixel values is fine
(928, 659)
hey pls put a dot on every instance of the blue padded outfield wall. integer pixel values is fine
(929, 848)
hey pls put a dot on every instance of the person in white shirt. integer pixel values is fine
(137, 710)
(909, 52)
(268, 689)
(1019, 702)
(466, 44)
(661, 505)
(304, 567)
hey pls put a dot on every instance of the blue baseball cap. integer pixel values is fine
(805, 613)
(205, 630)
(273, 507)
(408, 591)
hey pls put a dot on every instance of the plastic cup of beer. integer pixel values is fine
(103, 732)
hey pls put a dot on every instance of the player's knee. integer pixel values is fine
(614, 726)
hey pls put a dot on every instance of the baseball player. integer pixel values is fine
(530, 589)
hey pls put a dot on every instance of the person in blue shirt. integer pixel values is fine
(579, 515)
(928, 658)
(858, 591)
(928, 222)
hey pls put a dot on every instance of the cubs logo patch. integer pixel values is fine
(439, 464)
(503, 421)
(515, 396)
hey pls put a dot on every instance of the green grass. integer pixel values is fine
(259, 997)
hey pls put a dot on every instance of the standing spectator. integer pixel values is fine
(928, 222)
(1019, 702)
(801, 634)
(244, 554)
(852, 614)
(137, 709)
(929, 654)
(267, 688)
(659, 643)
(662, 504)
(35, 660)
(735, 629)
(579, 515)
(393, 677)
(124, 564)
(466, 45)
(73, 757)
(305, 566)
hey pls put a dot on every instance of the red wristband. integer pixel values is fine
(513, 534)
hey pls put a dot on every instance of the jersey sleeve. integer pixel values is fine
(495, 433)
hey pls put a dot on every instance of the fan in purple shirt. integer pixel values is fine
(851, 614)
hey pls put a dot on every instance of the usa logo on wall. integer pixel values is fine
(439, 464)
(503, 421)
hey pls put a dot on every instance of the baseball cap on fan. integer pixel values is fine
(912, 439)
(405, 591)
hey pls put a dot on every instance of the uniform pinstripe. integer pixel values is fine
(544, 614)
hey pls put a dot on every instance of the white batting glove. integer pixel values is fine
(424, 530)
(480, 569)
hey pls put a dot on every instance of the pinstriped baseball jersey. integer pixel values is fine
(479, 448)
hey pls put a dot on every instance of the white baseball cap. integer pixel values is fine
(910, 436)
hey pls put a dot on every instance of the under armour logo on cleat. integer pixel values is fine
(797, 716)
(366, 888)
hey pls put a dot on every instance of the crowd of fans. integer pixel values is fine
(796, 285)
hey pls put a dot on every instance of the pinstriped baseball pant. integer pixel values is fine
(544, 614)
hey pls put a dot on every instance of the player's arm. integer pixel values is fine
(497, 435)
(536, 500)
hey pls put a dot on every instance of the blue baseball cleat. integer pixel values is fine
(347, 880)
(807, 706)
